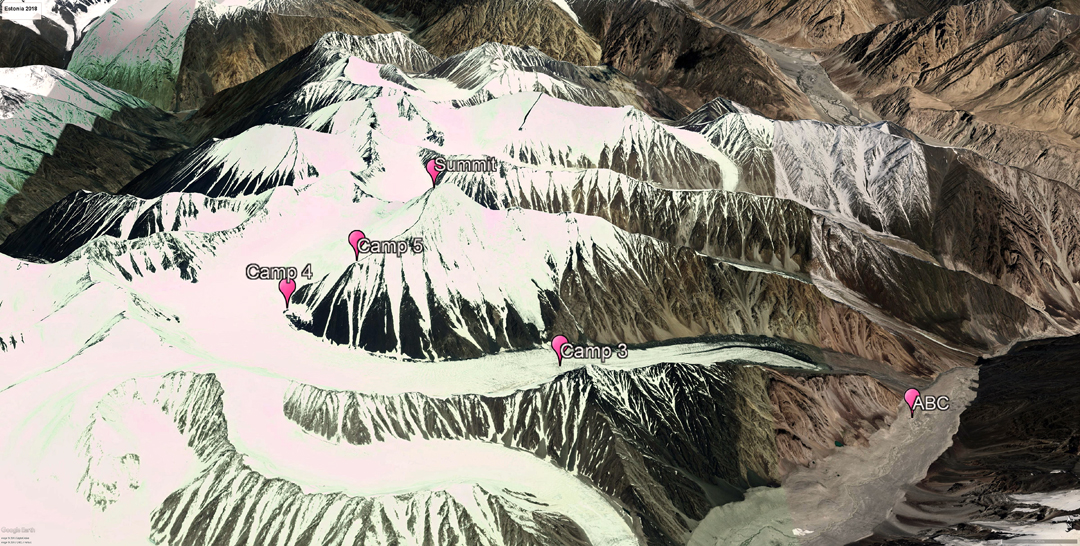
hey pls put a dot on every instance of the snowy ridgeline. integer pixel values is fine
(625, 230)
(205, 463)
(191, 484)
(36, 103)
(353, 136)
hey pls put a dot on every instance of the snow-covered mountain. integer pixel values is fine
(70, 17)
(366, 130)
(36, 104)
(174, 53)
(62, 133)
(778, 284)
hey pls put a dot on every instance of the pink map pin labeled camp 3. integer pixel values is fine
(433, 170)
(354, 241)
(287, 287)
(557, 343)
(910, 397)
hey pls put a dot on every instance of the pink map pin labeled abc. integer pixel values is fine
(910, 397)
(287, 287)
(433, 170)
(354, 242)
(557, 343)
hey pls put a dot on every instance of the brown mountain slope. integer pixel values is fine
(222, 52)
(897, 54)
(690, 58)
(1043, 96)
(978, 75)
(1071, 6)
(828, 23)
(449, 28)
(1024, 148)
(20, 46)
(807, 23)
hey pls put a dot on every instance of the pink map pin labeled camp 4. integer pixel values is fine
(433, 170)
(287, 287)
(910, 397)
(354, 241)
(557, 343)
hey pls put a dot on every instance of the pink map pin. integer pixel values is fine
(910, 397)
(433, 170)
(557, 343)
(354, 242)
(287, 287)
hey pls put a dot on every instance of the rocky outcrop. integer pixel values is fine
(977, 75)
(1017, 443)
(690, 58)
(807, 23)
(225, 50)
(694, 438)
(20, 46)
(817, 415)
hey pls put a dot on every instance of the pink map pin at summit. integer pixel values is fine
(910, 397)
(557, 343)
(287, 287)
(433, 170)
(354, 241)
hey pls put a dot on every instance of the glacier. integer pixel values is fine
(414, 397)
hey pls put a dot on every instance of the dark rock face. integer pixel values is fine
(689, 443)
(221, 52)
(976, 75)
(1020, 435)
(101, 160)
(20, 46)
(69, 214)
(449, 28)
(677, 50)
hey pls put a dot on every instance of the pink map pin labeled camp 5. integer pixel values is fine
(287, 287)
(910, 397)
(557, 343)
(354, 241)
(433, 169)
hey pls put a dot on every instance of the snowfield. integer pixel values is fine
(144, 376)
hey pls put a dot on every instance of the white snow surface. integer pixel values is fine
(83, 329)
(64, 86)
(277, 448)
(1062, 500)
(82, 12)
(566, 7)
(126, 24)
